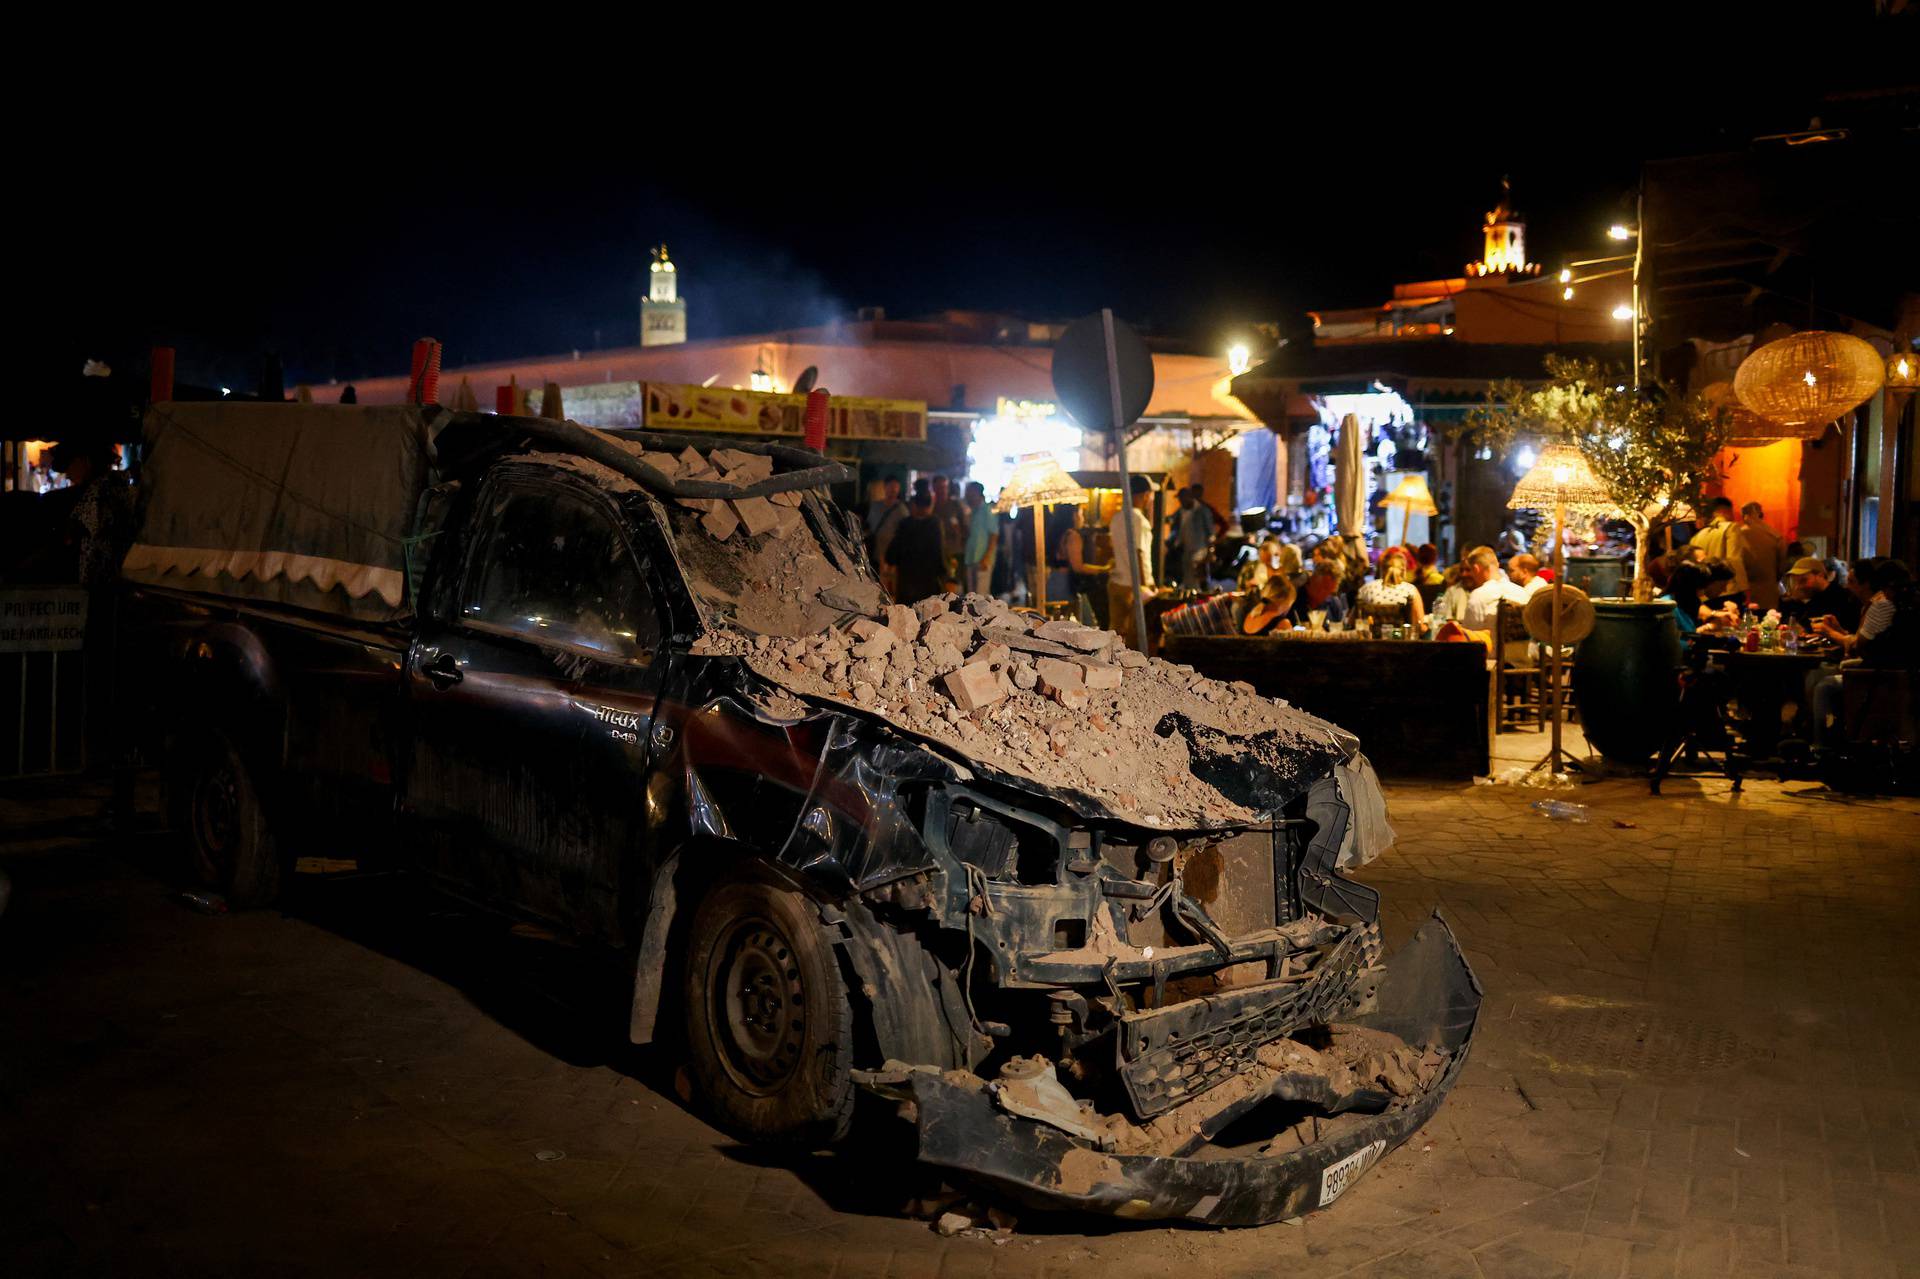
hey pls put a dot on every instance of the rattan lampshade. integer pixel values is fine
(1412, 496)
(1808, 379)
(1750, 430)
(1561, 477)
(1038, 479)
(1903, 366)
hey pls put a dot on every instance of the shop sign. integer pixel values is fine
(672, 406)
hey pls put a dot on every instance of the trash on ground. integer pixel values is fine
(1560, 810)
(207, 903)
(1527, 775)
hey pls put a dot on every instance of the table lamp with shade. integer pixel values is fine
(1410, 497)
(1559, 481)
(1039, 481)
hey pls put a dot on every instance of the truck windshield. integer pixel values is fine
(795, 579)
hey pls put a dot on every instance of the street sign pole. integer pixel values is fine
(1120, 424)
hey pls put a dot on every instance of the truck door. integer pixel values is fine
(531, 700)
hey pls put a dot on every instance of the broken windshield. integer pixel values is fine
(797, 576)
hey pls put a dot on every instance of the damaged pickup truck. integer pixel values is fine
(1080, 917)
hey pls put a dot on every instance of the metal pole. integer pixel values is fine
(1553, 664)
(1639, 251)
(1126, 488)
(1040, 557)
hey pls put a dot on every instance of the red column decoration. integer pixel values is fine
(503, 397)
(423, 380)
(816, 419)
(160, 388)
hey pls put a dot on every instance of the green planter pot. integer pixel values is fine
(1623, 675)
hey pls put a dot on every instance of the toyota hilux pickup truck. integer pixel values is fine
(1079, 917)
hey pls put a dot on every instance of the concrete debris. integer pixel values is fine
(968, 673)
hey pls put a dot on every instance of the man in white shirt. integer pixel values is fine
(1523, 571)
(1136, 567)
(1485, 589)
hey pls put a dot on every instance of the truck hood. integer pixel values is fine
(1164, 750)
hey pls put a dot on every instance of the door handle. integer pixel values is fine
(443, 671)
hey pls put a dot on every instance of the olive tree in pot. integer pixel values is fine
(1652, 448)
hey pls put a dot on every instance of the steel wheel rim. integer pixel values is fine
(757, 1006)
(217, 816)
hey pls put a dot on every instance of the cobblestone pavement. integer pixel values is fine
(1697, 1057)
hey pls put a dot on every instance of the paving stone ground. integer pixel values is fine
(1697, 1056)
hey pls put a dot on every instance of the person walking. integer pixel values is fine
(884, 519)
(1761, 549)
(1132, 535)
(919, 565)
(1195, 531)
(983, 536)
(1720, 542)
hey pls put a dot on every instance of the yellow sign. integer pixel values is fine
(1024, 410)
(672, 406)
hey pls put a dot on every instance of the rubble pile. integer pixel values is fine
(723, 517)
(1061, 704)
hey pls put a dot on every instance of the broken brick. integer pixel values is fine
(757, 514)
(1098, 677)
(972, 687)
(1057, 677)
(720, 522)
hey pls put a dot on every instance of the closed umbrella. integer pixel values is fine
(1350, 476)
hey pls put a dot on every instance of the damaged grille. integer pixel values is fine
(1171, 1055)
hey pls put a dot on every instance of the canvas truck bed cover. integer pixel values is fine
(302, 504)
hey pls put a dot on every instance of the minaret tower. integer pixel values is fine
(663, 314)
(1506, 240)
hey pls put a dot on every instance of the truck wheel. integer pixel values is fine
(227, 832)
(769, 1031)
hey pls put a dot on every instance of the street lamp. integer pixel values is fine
(1239, 358)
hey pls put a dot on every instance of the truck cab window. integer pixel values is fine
(551, 567)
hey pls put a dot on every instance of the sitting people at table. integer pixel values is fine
(1452, 603)
(1481, 578)
(1888, 637)
(1392, 598)
(1322, 592)
(1812, 593)
(1524, 571)
(1687, 587)
(1269, 612)
(1881, 582)
(1210, 615)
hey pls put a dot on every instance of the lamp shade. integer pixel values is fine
(1038, 479)
(1903, 365)
(1412, 496)
(1561, 477)
(1808, 379)
(1749, 428)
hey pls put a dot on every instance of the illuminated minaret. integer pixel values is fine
(663, 314)
(1506, 248)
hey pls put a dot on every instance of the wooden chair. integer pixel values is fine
(1521, 679)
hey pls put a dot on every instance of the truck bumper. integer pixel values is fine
(1428, 997)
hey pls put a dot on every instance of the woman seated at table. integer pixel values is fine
(1686, 587)
(1266, 563)
(1269, 612)
(1392, 598)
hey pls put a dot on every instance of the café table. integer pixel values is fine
(1765, 681)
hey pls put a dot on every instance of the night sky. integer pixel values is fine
(1195, 211)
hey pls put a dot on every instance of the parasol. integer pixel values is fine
(1350, 476)
(1039, 481)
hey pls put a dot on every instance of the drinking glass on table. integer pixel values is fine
(1317, 619)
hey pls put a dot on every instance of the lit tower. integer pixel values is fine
(1506, 234)
(663, 315)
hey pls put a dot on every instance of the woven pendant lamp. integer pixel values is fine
(1809, 379)
(1750, 430)
(1561, 478)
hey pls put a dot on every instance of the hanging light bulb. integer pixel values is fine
(1623, 312)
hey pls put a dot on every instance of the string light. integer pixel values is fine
(1623, 312)
(1566, 275)
(1567, 293)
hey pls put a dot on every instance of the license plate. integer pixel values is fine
(1342, 1173)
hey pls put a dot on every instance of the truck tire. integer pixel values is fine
(769, 1030)
(231, 844)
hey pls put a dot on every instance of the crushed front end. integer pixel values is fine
(1166, 1026)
